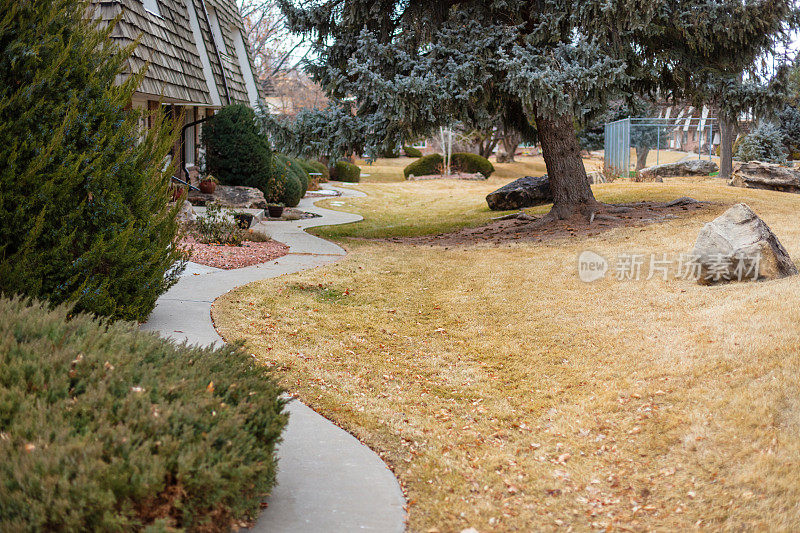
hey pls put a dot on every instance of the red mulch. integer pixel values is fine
(230, 257)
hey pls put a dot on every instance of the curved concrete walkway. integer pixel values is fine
(327, 480)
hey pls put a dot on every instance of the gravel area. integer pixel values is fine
(230, 257)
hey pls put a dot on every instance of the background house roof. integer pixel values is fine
(166, 41)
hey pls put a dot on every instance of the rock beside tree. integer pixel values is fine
(233, 196)
(529, 191)
(770, 176)
(691, 167)
(739, 246)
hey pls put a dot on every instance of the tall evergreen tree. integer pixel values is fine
(84, 213)
(548, 63)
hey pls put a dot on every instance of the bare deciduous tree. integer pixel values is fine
(275, 49)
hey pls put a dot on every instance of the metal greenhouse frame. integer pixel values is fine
(617, 142)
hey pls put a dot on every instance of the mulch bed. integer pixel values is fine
(230, 257)
(538, 229)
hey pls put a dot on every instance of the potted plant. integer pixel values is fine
(178, 192)
(208, 184)
(275, 204)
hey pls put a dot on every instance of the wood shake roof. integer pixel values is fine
(167, 42)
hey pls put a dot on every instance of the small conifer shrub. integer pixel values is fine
(765, 143)
(84, 213)
(425, 166)
(347, 172)
(290, 177)
(236, 151)
(471, 163)
(104, 427)
(410, 151)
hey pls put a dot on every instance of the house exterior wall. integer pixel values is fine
(196, 61)
(186, 63)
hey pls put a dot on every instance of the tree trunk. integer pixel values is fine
(562, 157)
(727, 135)
(486, 146)
(641, 157)
(511, 142)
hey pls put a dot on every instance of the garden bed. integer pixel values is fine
(230, 257)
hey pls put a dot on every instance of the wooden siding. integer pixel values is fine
(167, 43)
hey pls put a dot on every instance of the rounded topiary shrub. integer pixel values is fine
(471, 164)
(347, 172)
(236, 152)
(302, 171)
(108, 428)
(289, 178)
(425, 166)
(320, 168)
(410, 151)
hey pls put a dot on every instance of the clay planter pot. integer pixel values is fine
(177, 193)
(208, 187)
(243, 220)
(275, 211)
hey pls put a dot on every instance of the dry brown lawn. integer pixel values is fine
(507, 395)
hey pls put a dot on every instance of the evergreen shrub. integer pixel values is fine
(321, 168)
(290, 178)
(347, 172)
(104, 427)
(84, 214)
(236, 151)
(471, 163)
(764, 143)
(410, 151)
(425, 166)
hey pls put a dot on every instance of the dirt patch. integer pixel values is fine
(230, 257)
(535, 228)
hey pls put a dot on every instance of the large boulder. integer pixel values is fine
(524, 192)
(231, 196)
(690, 167)
(739, 246)
(759, 175)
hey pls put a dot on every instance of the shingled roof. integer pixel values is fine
(167, 43)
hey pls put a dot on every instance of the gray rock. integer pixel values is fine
(739, 246)
(683, 200)
(186, 213)
(231, 196)
(759, 175)
(690, 167)
(524, 192)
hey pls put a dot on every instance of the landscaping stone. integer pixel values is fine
(186, 214)
(691, 167)
(682, 201)
(525, 192)
(760, 175)
(739, 246)
(231, 196)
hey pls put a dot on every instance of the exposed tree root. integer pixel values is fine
(581, 220)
